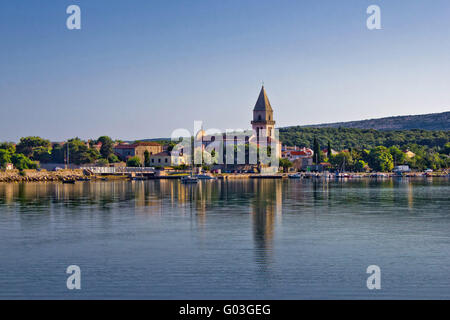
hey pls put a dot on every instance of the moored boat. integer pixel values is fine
(189, 179)
(205, 177)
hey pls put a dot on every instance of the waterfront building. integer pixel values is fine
(126, 151)
(297, 153)
(167, 159)
(302, 163)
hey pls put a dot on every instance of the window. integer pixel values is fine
(153, 160)
(259, 117)
(159, 160)
(166, 160)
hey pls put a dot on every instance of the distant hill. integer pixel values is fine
(430, 121)
(431, 130)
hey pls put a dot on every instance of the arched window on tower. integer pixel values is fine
(259, 117)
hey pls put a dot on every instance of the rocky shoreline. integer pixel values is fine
(40, 176)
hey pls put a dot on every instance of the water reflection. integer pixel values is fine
(262, 199)
(266, 208)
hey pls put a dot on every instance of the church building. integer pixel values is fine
(263, 134)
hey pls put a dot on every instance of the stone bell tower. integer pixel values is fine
(263, 116)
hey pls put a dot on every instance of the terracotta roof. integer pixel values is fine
(161, 154)
(299, 153)
(263, 103)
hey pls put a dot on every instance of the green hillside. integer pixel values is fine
(343, 138)
(431, 121)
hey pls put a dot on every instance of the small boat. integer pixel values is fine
(205, 177)
(189, 179)
(295, 176)
(138, 179)
(84, 179)
(398, 174)
(379, 175)
(69, 181)
(104, 179)
(341, 175)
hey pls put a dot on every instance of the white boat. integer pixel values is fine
(295, 176)
(341, 175)
(189, 179)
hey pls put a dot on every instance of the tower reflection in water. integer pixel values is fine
(266, 210)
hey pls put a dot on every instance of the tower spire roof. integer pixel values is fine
(263, 103)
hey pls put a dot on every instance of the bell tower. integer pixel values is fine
(263, 116)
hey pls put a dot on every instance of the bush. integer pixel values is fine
(134, 162)
(102, 162)
(21, 162)
(112, 158)
(5, 157)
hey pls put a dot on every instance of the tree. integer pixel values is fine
(57, 154)
(134, 162)
(102, 162)
(8, 146)
(112, 158)
(344, 138)
(360, 166)
(342, 161)
(329, 150)
(285, 164)
(381, 159)
(147, 158)
(317, 152)
(398, 155)
(79, 152)
(27, 145)
(214, 156)
(5, 157)
(42, 154)
(447, 148)
(22, 162)
(107, 146)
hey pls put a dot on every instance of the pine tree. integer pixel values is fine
(317, 152)
(329, 150)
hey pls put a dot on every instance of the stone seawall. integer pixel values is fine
(43, 175)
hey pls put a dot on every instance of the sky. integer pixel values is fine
(142, 68)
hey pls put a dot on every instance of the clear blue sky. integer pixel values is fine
(139, 69)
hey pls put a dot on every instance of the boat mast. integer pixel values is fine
(67, 155)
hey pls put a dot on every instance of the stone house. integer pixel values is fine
(301, 164)
(126, 151)
(166, 159)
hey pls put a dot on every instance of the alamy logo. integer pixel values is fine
(74, 20)
(374, 20)
(231, 147)
(374, 280)
(74, 280)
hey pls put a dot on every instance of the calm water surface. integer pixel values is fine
(254, 239)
